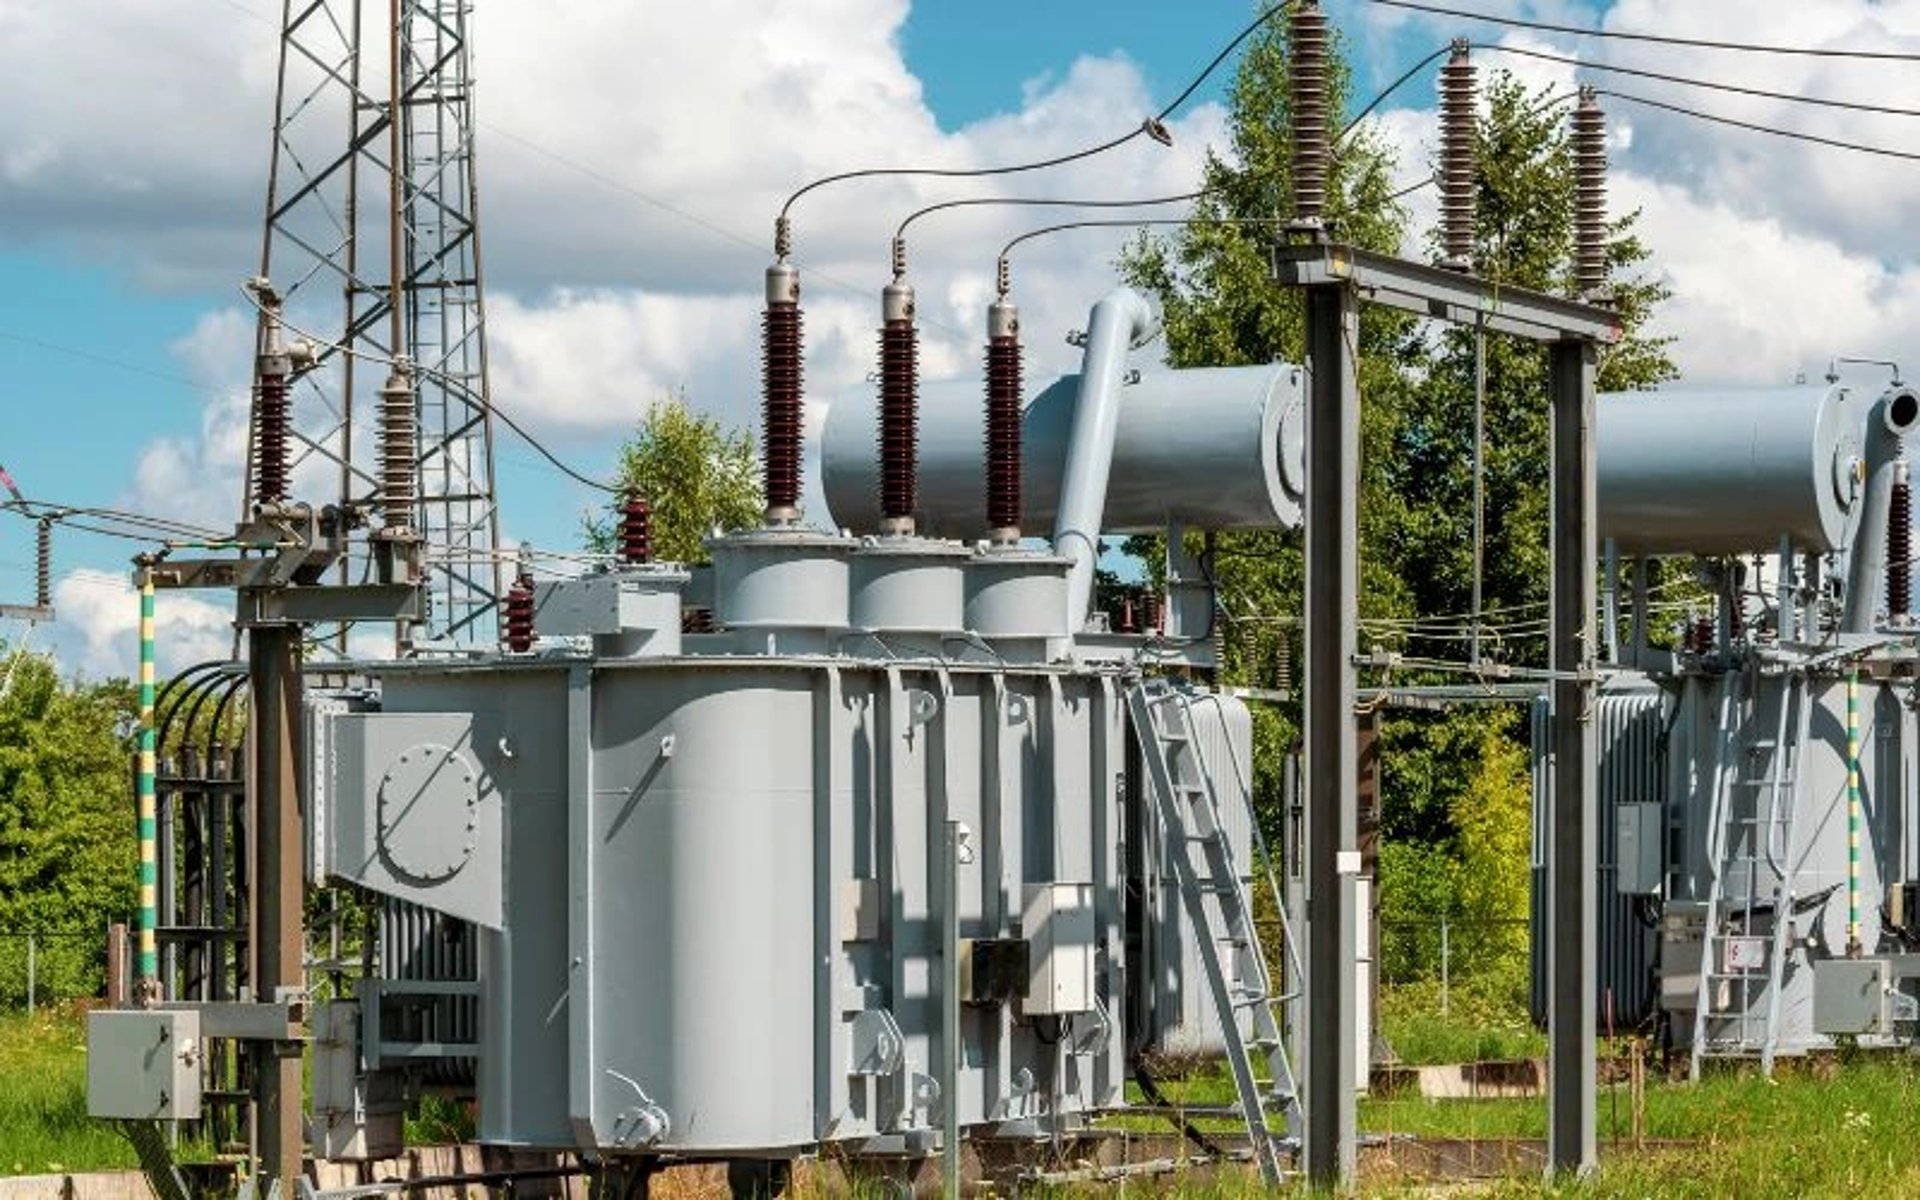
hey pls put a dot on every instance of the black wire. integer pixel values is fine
(1040, 202)
(1221, 57)
(1819, 101)
(960, 173)
(1150, 1089)
(1391, 88)
(1816, 139)
(1151, 126)
(1657, 38)
(1117, 224)
(547, 454)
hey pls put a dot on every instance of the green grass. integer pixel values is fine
(1818, 1131)
(44, 1127)
(1478, 1022)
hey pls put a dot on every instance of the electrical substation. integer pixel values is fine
(876, 835)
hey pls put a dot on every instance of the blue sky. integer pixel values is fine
(633, 158)
(92, 354)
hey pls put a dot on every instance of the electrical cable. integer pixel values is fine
(1709, 84)
(426, 372)
(1655, 38)
(1153, 127)
(1150, 1090)
(1044, 230)
(1796, 135)
(1040, 202)
(1389, 90)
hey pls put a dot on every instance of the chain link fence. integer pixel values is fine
(1450, 951)
(40, 967)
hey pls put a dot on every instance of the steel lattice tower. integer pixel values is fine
(341, 227)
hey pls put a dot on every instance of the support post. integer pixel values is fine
(273, 666)
(1332, 802)
(148, 987)
(1572, 865)
(953, 853)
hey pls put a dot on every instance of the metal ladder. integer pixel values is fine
(1751, 831)
(1220, 911)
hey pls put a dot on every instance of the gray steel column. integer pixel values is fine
(1332, 801)
(1572, 859)
(279, 968)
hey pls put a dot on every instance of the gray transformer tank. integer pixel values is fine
(708, 886)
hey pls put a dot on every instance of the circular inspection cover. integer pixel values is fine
(429, 812)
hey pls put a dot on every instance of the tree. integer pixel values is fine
(1222, 307)
(1454, 785)
(698, 475)
(67, 844)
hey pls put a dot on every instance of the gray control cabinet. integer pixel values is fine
(143, 1065)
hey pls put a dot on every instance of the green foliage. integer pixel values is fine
(1473, 1019)
(67, 841)
(1455, 787)
(1524, 238)
(699, 475)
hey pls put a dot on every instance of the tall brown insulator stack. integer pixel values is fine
(43, 564)
(899, 409)
(1900, 545)
(399, 449)
(1589, 147)
(1003, 422)
(781, 411)
(519, 633)
(272, 409)
(636, 529)
(272, 403)
(1307, 72)
(1459, 176)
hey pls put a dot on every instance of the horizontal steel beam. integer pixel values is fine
(26, 612)
(1446, 295)
(352, 602)
(247, 1022)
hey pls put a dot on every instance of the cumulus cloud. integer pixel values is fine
(633, 157)
(98, 631)
(1731, 216)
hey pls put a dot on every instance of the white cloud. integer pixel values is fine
(97, 633)
(136, 135)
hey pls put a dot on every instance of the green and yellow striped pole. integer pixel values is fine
(149, 958)
(1853, 814)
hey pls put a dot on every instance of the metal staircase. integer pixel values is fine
(1752, 847)
(1219, 907)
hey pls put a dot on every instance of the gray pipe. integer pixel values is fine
(1121, 320)
(1895, 415)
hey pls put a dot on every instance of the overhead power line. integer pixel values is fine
(1661, 39)
(1796, 135)
(1709, 84)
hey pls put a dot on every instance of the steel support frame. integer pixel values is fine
(1332, 800)
(1335, 279)
(1572, 840)
(327, 232)
(279, 894)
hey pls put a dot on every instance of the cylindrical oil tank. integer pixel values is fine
(1217, 448)
(1726, 471)
(910, 585)
(781, 579)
